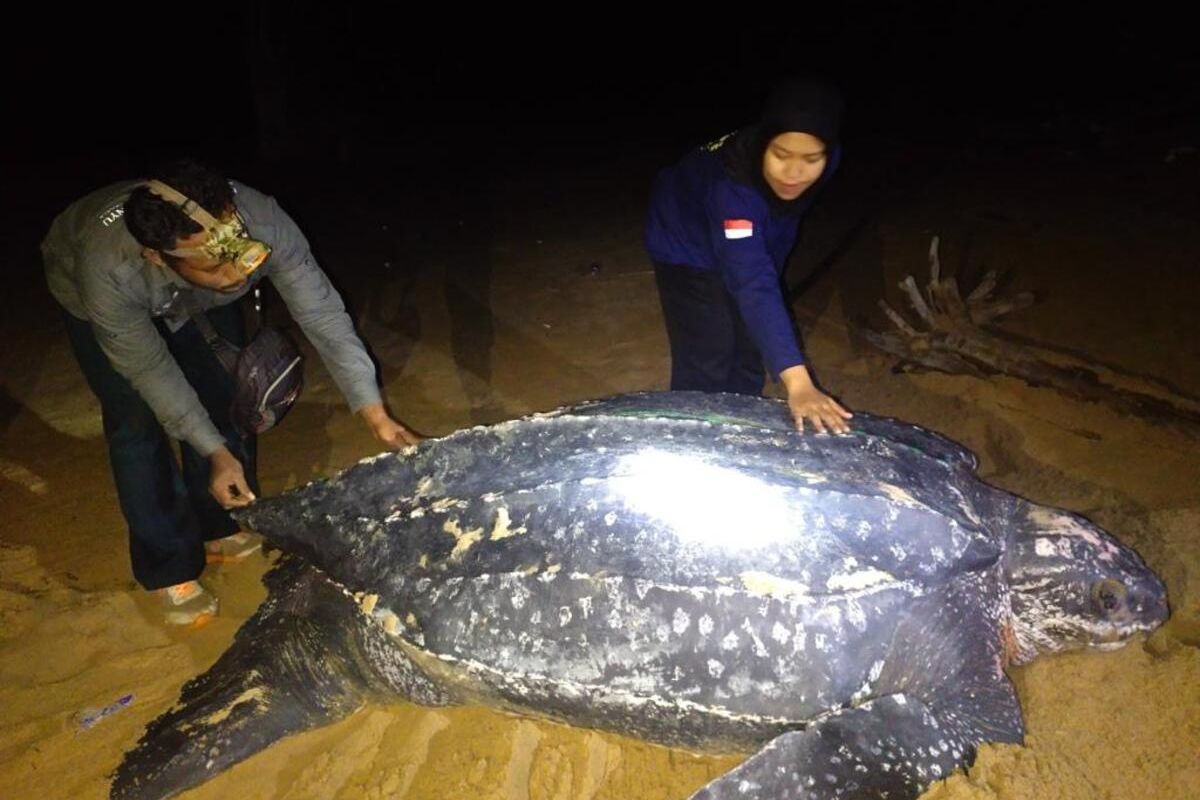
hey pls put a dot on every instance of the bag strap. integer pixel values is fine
(222, 348)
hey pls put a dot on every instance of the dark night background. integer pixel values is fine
(357, 118)
(390, 136)
(393, 137)
(411, 103)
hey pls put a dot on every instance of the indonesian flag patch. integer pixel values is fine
(738, 229)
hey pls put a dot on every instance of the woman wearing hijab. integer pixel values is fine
(722, 222)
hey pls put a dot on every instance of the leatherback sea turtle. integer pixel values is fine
(676, 566)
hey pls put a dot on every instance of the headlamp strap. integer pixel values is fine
(185, 204)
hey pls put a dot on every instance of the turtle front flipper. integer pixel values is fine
(940, 693)
(304, 660)
(891, 747)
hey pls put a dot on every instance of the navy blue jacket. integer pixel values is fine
(701, 217)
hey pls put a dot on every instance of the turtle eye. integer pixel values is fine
(1108, 594)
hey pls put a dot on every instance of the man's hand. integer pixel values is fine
(805, 400)
(386, 429)
(227, 480)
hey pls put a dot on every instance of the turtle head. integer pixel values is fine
(1073, 585)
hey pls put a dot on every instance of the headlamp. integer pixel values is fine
(227, 241)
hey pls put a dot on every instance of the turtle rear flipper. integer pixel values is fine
(304, 660)
(892, 747)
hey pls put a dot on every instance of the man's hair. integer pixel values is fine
(157, 223)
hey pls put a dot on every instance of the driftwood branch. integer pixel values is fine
(952, 335)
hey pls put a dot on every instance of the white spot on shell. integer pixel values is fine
(855, 615)
(760, 649)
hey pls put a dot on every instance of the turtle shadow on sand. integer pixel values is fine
(681, 567)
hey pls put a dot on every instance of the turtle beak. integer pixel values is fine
(1148, 607)
(1152, 614)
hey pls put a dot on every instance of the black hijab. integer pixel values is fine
(797, 104)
